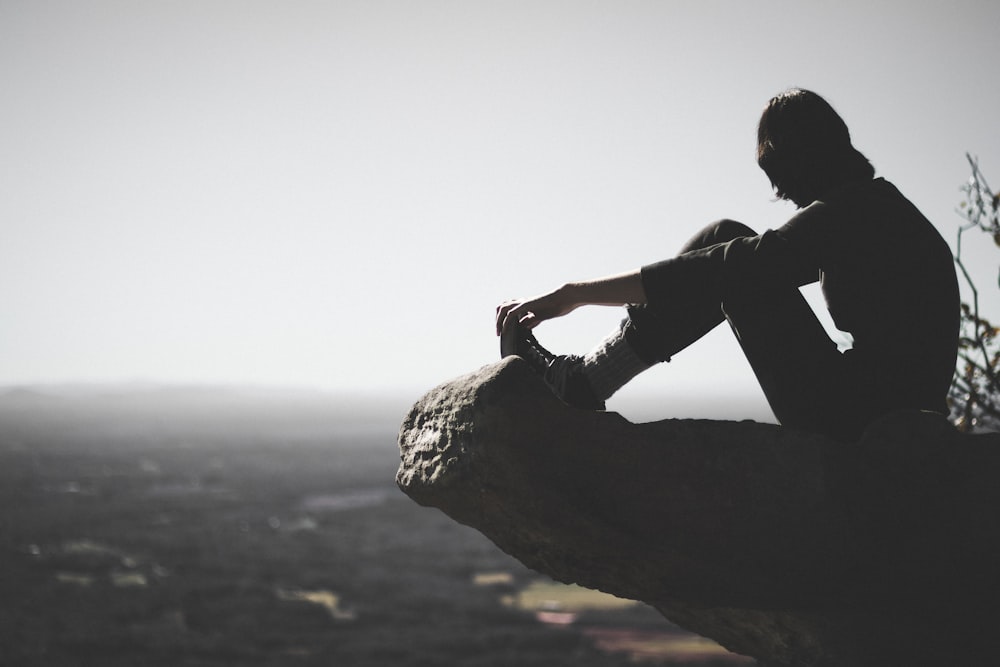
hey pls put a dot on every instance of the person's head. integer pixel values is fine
(805, 149)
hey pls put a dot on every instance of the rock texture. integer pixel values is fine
(786, 546)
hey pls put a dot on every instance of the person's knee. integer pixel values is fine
(727, 230)
(720, 231)
(645, 333)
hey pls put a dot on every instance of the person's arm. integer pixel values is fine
(617, 290)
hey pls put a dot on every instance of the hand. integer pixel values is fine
(616, 290)
(532, 312)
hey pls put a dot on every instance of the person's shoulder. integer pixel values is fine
(858, 191)
(811, 225)
(884, 189)
(816, 212)
(852, 200)
(835, 209)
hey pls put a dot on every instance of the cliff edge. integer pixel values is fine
(786, 546)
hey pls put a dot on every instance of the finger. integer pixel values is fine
(503, 312)
(520, 317)
(511, 319)
(504, 324)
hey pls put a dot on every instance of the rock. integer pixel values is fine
(783, 545)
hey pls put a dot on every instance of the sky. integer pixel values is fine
(337, 194)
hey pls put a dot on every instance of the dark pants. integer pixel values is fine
(808, 382)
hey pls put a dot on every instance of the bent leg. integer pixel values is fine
(657, 335)
(646, 337)
(806, 380)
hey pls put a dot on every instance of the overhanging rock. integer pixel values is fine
(786, 546)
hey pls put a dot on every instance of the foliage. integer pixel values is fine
(975, 391)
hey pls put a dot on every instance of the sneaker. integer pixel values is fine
(562, 373)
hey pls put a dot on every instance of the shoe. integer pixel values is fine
(519, 341)
(562, 373)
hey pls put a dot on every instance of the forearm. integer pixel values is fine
(616, 290)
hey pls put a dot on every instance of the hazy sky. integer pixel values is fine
(337, 194)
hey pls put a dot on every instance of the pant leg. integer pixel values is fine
(807, 381)
(656, 335)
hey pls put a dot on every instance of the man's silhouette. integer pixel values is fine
(887, 275)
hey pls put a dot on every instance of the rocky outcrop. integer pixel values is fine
(786, 546)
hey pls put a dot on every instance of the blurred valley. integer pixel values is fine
(215, 526)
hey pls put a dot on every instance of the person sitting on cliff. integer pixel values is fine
(887, 276)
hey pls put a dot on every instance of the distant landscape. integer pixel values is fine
(209, 527)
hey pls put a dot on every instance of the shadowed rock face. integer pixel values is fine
(786, 546)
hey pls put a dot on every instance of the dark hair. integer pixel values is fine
(804, 147)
